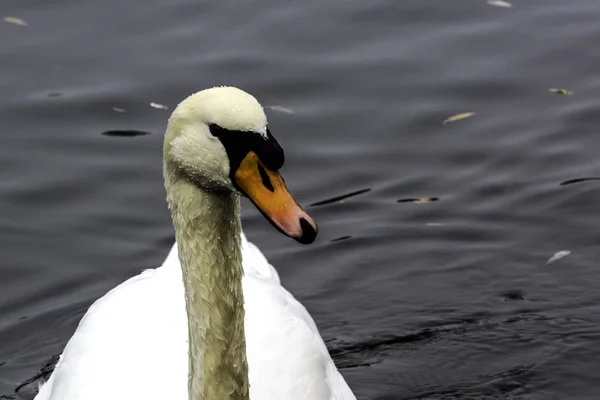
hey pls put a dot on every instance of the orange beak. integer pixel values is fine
(267, 190)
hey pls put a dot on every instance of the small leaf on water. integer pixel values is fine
(159, 106)
(458, 117)
(558, 255)
(119, 110)
(280, 109)
(15, 21)
(499, 3)
(418, 200)
(566, 92)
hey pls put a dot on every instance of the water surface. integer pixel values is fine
(446, 299)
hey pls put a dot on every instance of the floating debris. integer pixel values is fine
(339, 198)
(159, 106)
(499, 3)
(340, 239)
(119, 110)
(558, 255)
(565, 92)
(15, 21)
(458, 117)
(435, 224)
(418, 200)
(54, 94)
(280, 109)
(126, 133)
(572, 181)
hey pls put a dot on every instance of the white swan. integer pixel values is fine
(138, 341)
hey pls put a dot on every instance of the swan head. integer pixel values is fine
(218, 140)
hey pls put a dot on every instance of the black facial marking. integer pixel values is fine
(239, 143)
(265, 178)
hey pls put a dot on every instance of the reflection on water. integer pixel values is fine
(450, 299)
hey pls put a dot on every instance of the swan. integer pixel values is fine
(213, 321)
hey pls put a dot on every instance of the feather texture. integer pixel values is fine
(132, 343)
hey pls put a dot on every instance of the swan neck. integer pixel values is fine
(208, 231)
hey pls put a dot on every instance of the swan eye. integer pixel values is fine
(266, 181)
(238, 144)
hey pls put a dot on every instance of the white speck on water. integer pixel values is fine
(15, 21)
(558, 255)
(458, 117)
(280, 109)
(499, 3)
(159, 106)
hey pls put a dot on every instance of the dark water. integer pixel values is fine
(447, 299)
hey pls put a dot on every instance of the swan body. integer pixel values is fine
(139, 341)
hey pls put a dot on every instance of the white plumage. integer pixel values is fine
(133, 342)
